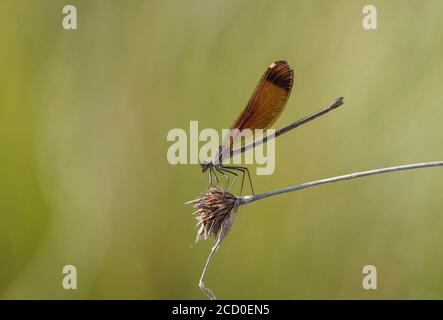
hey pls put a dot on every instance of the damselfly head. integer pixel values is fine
(204, 165)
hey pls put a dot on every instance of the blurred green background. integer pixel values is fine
(84, 178)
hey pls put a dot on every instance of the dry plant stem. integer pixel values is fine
(251, 198)
(248, 199)
(201, 283)
(223, 232)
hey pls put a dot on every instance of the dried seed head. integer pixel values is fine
(215, 211)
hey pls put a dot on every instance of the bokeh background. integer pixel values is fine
(84, 178)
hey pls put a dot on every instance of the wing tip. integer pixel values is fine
(281, 74)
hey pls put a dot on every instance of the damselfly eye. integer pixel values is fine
(204, 166)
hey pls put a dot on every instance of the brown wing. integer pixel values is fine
(265, 105)
(268, 99)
